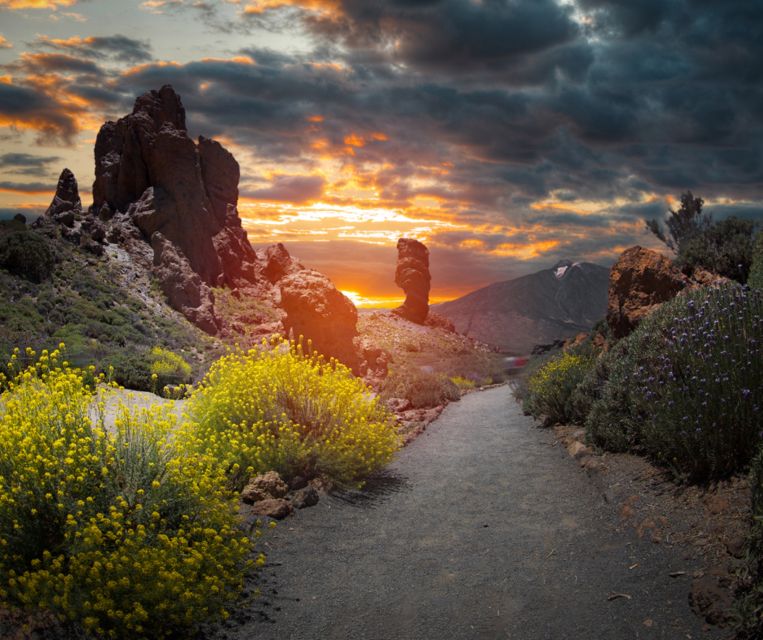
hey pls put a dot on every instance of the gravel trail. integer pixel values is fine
(479, 529)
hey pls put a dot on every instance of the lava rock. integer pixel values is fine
(412, 276)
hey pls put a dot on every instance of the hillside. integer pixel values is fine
(538, 308)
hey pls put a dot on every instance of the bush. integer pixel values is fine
(422, 388)
(277, 408)
(27, 254)
(724, 248)
(463, 384)
(756, 270)
(550, 388)
(169, 368)
(687, 385)
(750, 602)
(117, 533)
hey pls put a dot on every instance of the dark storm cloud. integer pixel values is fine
(26, 164)
(37, 63)
(117, 47)
(451, 35)
(29, 107)
(26, 187)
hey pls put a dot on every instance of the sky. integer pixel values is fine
(505, 134)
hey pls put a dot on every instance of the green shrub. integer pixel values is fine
(27, 254)
(756, 270)
(725, 248)
(750, 602)
(550, 389)
(277, 408)
(119, 534)
(422, 388)
(687, 385)
(169, 368)
(131, 369)
(463, 384)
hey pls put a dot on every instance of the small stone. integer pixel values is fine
(297, 482)
(578, 450)
(399, 404)
(269, 484)
(307, 497)
(277, 508)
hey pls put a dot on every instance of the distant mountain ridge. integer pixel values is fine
(538, 308)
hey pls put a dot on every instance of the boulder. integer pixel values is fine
(263, 487)
(183, 287)
(305, 497)
(278, 263)
(640, 281)
(276, 508)
(412, 276)
(318, 311)
(66, 202)
(147, 165)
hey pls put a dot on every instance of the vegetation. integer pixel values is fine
(119, 533)
(422, 388)
(686, 386)
(724, 247)
(278, 408)
(551, 388)
(81, 303)
(756, 270)
(26, 254)
(683, 224)
(169, 368)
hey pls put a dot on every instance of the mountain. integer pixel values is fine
(539, 308)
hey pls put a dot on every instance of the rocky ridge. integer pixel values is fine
(166, 205)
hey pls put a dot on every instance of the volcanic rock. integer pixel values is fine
(276, 508)
(318, 311)
(412, 276)
(66, 202)
(278, 263)
(146, 164)
(183, 287)
(640, 281)
(305, 497)
(264, 486)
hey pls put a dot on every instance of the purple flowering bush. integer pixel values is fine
(686, 387)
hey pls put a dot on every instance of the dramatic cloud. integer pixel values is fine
(35, 4)
(4, 44)
(26, 164)
(505, 133)
(116, 47)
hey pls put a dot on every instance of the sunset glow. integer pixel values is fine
(355, 128)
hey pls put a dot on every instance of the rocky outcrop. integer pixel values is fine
(66, 202)
(278, 263)
(182, 286)
(317, 310)
(148, 166)
(640, 281)
(412, 276)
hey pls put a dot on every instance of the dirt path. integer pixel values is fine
(480, 529)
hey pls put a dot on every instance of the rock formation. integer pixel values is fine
(316, 309)
(183, 287)
(66, 202)
(412, 276)
(167, 207)
(147, 166)
(640, 281)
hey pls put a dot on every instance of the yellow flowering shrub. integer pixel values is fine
(117, 532)
(550, 389)
(279, 408)
(168, 367)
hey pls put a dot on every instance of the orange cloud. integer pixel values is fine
(4, 44)
(36, 4)
(255, 7)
